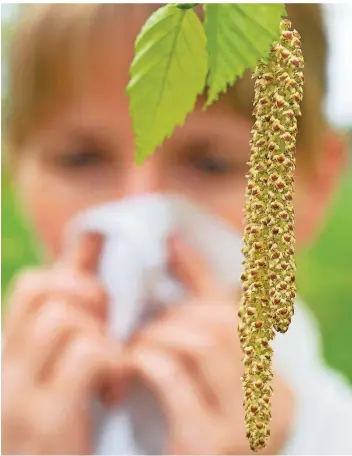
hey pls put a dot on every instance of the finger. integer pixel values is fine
(222, 362)
(87, 367)
(179, 395)
(213, 362)
(55, 325)
(176, 332)
(188, 345)
(222, 318)
(191, 268)
(83, 253)
(35, 287)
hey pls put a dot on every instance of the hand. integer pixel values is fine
(191, 358)
(55, 356)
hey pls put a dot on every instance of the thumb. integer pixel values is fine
(83, 253)
(192, 269)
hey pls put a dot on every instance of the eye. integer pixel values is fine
(80, 159)
(212, 164)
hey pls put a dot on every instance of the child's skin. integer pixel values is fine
(56, 354)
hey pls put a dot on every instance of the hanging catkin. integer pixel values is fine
(269, 277)
(255, 328)
(287, 62)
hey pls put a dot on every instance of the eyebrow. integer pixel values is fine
(209, 143)
(200, 145)
(85, 136)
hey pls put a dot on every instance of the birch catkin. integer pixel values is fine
(269, 276)
(287, 62)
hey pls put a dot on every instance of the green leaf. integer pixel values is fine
(238, 35)
(167, 74)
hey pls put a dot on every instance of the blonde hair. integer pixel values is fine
(49, 37)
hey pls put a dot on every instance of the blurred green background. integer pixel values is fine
(324, 270)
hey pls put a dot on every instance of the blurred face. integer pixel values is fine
(83, 153)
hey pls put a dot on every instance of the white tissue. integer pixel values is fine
(133, 270)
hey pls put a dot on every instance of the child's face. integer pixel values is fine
(83, 154)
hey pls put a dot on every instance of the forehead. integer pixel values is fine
(63, 48)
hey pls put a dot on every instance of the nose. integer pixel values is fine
(145, 178)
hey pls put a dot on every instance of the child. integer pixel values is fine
(71, 146)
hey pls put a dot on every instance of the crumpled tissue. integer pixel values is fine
(133, 268)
